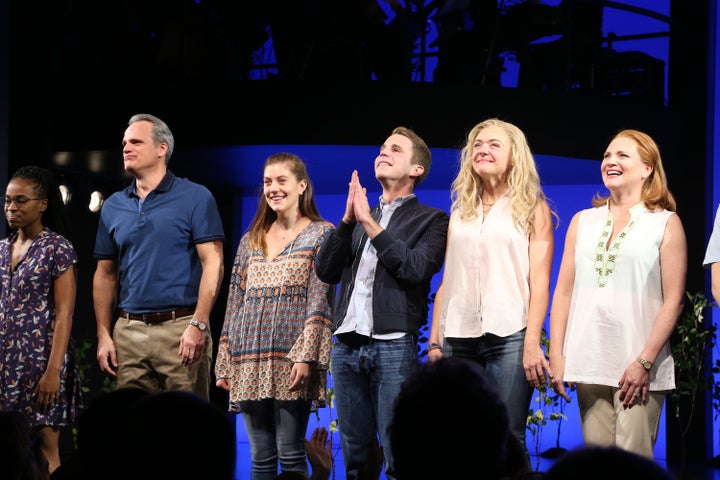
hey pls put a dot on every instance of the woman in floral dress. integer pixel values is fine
(37, 299)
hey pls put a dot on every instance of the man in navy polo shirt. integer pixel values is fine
(160, 241)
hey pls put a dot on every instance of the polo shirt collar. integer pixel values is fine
(163, 186)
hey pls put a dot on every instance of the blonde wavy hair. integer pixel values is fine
(655, 192)
(523, 180)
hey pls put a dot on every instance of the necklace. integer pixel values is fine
(283, 234)
(605, 259)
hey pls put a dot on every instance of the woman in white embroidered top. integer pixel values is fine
(495, 289)
(618, 296)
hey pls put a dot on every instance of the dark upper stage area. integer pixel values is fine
(79, 69)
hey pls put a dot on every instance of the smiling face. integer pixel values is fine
(491, 153)
(394, 163)
(26, 204)
(622, 168)
(281, 187)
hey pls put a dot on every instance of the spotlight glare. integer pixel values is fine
(96, 201)
(66, 194)
(62, 158)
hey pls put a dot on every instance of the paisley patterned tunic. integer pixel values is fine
(27, 321)
(278, 312)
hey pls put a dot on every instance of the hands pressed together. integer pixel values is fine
(357, 207)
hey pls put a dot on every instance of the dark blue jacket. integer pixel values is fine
(410, 251)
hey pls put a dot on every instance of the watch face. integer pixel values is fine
(197, 324)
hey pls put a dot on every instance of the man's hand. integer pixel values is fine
(107, 356)
(349, 215)
(192, 345)
(357, 205)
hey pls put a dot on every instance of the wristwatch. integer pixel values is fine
(647, 364)
(200, 325)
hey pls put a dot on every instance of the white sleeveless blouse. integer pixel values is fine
(486, 278)
(608, 326)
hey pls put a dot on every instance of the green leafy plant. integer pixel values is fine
(538, 418)
(92, 381)
(694, 342)
(90, 373)
(550, 408)
(333, 424)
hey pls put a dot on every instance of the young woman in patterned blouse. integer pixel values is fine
(275, 344)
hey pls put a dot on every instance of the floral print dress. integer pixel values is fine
(27, 321)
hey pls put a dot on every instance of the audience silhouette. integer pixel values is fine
(600, 463)
(97, 440)
(132, 434)
(20, 456)
(448, 414)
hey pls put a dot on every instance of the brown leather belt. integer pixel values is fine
(159, 317)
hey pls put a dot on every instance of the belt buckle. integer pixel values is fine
(151, 318)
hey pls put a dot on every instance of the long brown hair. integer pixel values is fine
(265, 216)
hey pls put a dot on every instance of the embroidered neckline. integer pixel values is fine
(605, 259)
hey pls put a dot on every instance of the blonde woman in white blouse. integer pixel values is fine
(492, 303)
(618, 296)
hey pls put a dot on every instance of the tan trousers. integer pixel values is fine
(605, 422)
(148, 357)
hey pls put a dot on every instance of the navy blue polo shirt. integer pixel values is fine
(154, 241)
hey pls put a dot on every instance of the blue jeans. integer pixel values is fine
(366, 380)
(501, 359)
(276, 431)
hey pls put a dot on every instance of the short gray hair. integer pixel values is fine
(160, 131)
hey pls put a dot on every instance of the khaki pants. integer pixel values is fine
(148, 357)
(606, 422)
